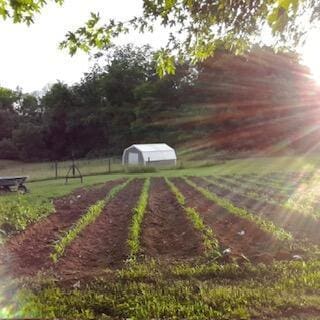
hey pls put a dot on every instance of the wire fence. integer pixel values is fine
(87, 167)
(59, 169)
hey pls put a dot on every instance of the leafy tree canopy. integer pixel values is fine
(22, 10)
(196, 27)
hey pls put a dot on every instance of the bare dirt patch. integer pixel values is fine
(29, 252)
(255, 244)
(301, 226)
(103, 244)
(167, 232)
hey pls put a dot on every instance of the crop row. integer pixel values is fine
(288, 178)
(257, 183)
(252, 186)
(277, 181)
(239, 189)
(263, 224)
(209, 240)
(303, 203)
(136, 224)
(262, 198)
(89, 217)
(260, 182)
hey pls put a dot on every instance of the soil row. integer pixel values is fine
(277, 195)
(301, 226)
(237, 234)
(167, 233)
(236, 184)
(103, 244)
(29, 251)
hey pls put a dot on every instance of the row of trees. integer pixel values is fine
(260, 101)
(120, 101)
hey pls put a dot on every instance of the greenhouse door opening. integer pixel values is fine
(133, 158)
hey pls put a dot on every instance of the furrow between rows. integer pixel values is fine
(255, 243)
(29, 251)
(103, 244)
(300, 225)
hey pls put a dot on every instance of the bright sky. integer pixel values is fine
(30, 57)
(311, 54)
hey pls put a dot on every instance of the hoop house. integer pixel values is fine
(157, 154)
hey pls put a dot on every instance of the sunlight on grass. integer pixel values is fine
(305, 196)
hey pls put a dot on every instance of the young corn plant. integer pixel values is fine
(138, 215)
(210, 242)
(89, 217)
(263, 224)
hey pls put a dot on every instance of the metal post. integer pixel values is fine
(109, 165)
(56, 169)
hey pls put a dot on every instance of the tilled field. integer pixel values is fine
(166, 230)
(177, 220)
(29, 252)
(103, 243)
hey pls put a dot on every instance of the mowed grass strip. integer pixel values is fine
(89, 217)
(138, 215)
(210, 242)
(263, 224)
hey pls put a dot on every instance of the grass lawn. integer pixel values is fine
(56, 188)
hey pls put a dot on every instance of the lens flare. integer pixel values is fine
(310, 54)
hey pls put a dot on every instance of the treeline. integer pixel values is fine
(119, 102)
(259, 102)
(262, 103)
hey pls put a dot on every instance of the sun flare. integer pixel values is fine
(310, 54)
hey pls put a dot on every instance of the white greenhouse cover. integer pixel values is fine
(156, 151)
